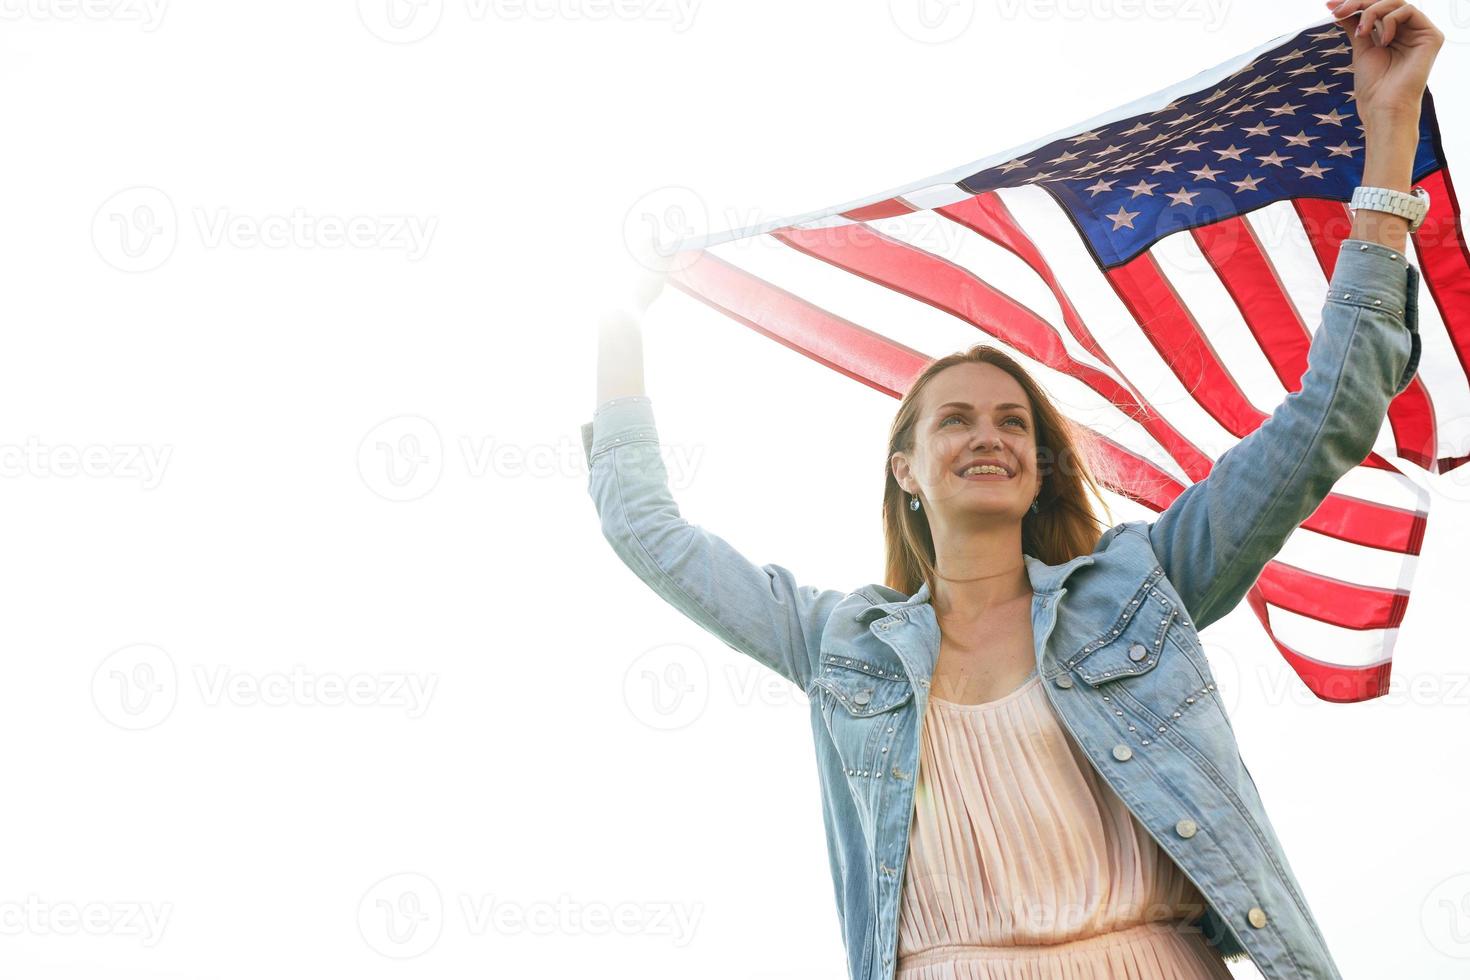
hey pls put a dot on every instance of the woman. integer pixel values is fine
(1026, 771)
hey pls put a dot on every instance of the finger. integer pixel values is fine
(1373, 12)
(1346, 14)
(1403, 22)
(1389, 25)
(1343, 10)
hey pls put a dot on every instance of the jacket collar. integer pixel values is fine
(1045, 579)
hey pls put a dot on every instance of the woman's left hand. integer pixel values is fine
(1394, 45)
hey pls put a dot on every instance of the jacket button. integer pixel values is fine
(1064, 680)
(1122, 753)
(1185, 828)
(862, 697)
(1137, 652)
(1257, 917)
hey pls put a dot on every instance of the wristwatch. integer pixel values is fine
(1412, 207)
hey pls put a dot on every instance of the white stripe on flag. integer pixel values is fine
(1332, 644)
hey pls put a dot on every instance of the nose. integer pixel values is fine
(987, 437)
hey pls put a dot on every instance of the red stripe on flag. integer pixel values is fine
(1134, 477)
(1370, 523)
(1327, 224)
(1331, 600)
(891, 208)
(1330, 682)
(830, 340)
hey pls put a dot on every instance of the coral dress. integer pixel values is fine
(1024, 865)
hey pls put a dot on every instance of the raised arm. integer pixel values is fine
(1217, 536)
(760, 611)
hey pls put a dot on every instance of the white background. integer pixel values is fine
(567, 818)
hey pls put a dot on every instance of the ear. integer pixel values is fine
(899, 466)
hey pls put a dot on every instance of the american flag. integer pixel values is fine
(1160, 269)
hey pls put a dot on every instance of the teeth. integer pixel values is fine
(985, 469)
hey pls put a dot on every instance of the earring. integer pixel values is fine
(913, 503)
(1034, 508)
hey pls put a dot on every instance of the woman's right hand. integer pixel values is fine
(1391, 67)
(620, 341)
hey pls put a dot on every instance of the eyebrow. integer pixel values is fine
(970, 408)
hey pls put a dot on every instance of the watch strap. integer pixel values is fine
(1411, 207)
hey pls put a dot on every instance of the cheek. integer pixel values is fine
(933, 464)
(1026, 453)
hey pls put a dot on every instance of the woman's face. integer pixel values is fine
(972, 412)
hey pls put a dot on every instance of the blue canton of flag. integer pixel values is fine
(1282, 126)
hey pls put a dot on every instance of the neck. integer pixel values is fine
(978, 571)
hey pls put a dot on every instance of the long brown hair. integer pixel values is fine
(1065, 525)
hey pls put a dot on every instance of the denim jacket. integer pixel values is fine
(1116, 637)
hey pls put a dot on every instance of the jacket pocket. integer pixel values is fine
(861, 704)
(1135, 643)
(862, 689)
(1152, 675)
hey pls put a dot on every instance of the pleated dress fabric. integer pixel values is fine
(1024, 865)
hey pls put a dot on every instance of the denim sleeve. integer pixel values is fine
(760, 611)
(1216, 537)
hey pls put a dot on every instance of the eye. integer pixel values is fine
(948, 417)
(1018, 419)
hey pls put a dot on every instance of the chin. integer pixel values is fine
(999, 511)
